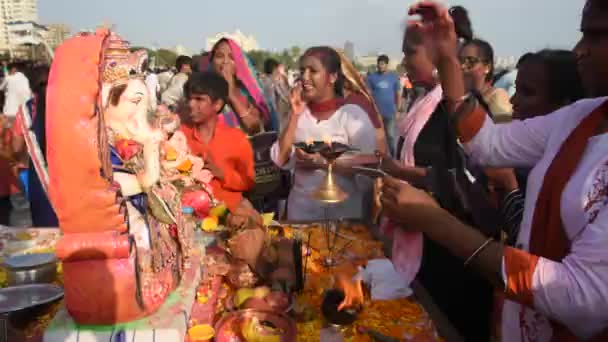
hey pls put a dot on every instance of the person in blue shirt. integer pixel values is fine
(386, 88)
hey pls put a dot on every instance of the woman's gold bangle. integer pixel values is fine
(481, 248)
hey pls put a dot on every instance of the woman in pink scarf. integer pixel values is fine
(247, 108)
(407, 247)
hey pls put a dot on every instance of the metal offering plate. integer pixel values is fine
(17, 298)
(28, 261)
(228, 328)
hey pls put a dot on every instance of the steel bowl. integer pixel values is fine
(329, 309)
(224, 329)
(31, 269)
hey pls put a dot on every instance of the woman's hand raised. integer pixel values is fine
(436, 27)
(297, 104)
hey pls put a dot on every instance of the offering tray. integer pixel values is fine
(224, 328)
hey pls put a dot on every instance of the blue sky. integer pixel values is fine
(512, 26)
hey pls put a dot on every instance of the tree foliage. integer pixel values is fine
(288, 57)
(165, 57)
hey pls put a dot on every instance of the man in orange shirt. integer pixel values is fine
(226, 150)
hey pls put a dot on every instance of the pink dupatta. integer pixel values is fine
(247, 75)
(407, 246)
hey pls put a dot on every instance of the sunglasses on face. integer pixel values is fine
(469, 62)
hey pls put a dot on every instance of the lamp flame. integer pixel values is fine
(353, 291)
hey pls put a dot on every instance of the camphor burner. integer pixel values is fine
(328, 192)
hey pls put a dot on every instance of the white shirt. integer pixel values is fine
(164, 78)
(18, 92)
(573, 292)
(175, 91)
(348, 125)
(153, 88)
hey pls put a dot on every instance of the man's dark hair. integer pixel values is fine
(270, 65)
(524, 58)
(383, 58)
(18, 65)
(181, 61)
(207, 83)
(564, 84)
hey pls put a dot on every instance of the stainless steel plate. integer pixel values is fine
(22, 297)
(29, 261)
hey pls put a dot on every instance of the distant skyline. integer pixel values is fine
(513, 27)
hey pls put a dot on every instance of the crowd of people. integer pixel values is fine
(495, 196)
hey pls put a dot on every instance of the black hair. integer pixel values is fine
(563, 80)
(181, 61)
(207, 83)
(383, 58)
(215, 46)
(39, 77)
(524, 58)
(331, 62)
(486, 53)
(462, 23)
(601, 5)
(270, 65)
(18, 65)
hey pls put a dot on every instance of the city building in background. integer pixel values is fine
(56, 34)
(12, 11)
(25, 38)
(247, 43)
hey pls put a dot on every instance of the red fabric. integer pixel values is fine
(360, 100)
(9, 183)
(127, 148)
(519, 267)
(231, 151)
(469, 125)
(548, 237)
(326, 106)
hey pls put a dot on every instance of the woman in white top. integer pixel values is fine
(318, 114)
(555, 280)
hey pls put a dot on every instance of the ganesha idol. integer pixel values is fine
(118, 181)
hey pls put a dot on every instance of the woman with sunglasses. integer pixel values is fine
(477, 60)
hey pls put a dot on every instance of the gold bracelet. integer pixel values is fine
(481, 248)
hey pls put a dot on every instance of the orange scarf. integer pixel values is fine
(548, 236)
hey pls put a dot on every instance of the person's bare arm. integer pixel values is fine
(415, 209)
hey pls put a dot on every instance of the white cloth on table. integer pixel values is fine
(573, 292)
(385, 282)
(348, 125)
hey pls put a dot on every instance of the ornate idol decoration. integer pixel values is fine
(117, 183)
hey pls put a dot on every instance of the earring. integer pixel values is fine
(435, 74)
